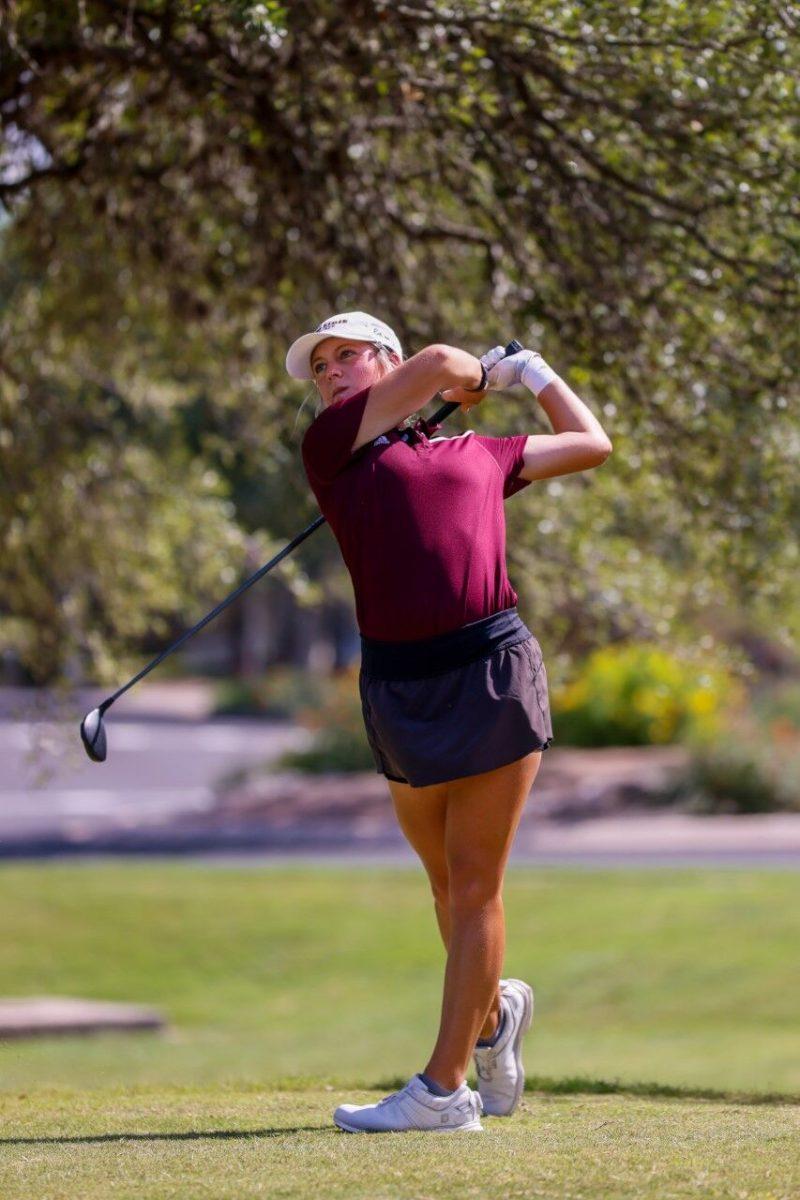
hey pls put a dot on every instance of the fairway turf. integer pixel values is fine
(152, 1144)
(665, 1015)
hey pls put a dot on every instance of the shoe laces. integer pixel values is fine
(393, 1095)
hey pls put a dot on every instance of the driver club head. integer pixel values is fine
(94, 735)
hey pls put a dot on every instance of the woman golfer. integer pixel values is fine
(453, 686)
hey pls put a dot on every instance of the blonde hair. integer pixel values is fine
(384, 360)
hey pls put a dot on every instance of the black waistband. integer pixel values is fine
(446, 651)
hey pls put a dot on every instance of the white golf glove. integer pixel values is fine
(501, 372)
(536, 373)
(526, 367)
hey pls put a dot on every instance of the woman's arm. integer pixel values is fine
(549, 454)
(411, 385)
(579, 440)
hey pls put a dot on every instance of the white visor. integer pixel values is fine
(359, 326)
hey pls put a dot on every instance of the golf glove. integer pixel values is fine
(526, 367)
(501, 372)
(535, 373)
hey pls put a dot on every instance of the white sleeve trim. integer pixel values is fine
(452, 439)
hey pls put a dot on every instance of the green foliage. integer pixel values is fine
(749, 763)
(779, 706)
(731, 777)
(638, 695)
(615, 185)
(341, 742)
(340, 748)
(282, 692)
(130, 537)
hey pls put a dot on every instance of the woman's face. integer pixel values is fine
(341, 367)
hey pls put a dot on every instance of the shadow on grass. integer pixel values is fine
(537, 1084)
(577, 1085)
(188, 1136)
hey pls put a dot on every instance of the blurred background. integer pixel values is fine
(184, 188)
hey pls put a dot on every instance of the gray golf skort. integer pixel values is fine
(457, 704)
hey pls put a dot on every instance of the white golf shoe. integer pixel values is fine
(414, 1107)
(501, 1077)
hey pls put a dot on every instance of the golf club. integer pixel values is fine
(93, 730)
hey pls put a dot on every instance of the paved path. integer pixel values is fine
(167, 761)
(631, 840)
(160, 765)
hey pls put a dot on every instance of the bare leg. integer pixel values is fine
(482, 816)
(493, 1014)
(421, 814)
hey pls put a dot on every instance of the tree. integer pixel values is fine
(190, 182)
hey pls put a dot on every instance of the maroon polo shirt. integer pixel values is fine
(420, 523)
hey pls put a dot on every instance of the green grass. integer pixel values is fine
(664, 1060)
(160, 1143)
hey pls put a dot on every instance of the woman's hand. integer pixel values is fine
(467, 398)
(464, 397)
(526, 367)
(504, 371)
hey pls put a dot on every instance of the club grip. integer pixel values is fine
(442, 413)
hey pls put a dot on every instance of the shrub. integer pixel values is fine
(744, 767)
(281, 692)
(341, 742)
(749, 763)
(779, 705)
(638, 695)
(335, 749)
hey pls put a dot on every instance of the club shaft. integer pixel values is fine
(287, 549)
